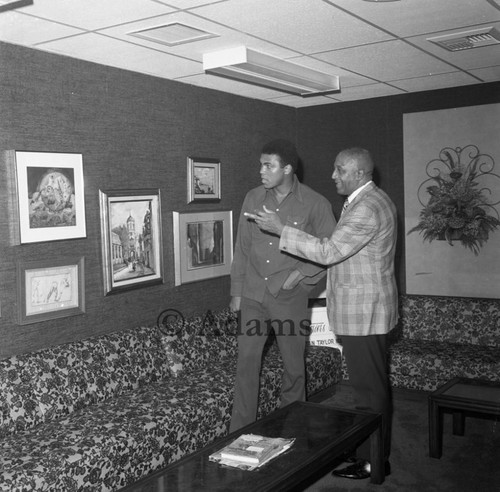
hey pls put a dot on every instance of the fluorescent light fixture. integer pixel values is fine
(13, 4)
(250, 66)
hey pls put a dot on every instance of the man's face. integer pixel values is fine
(346, 175)
(271, 172)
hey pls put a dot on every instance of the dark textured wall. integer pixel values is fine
(134, 131)
(377, 125)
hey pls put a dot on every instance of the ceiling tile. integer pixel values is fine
(224, 37)
(302, 25)
(411, 17)
(94, 14)
(108, 51)
(440, 81)
(21, 29)
(490, 74)
(391, 60)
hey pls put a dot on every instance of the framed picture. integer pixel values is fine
(50, 195)
(49, 289)
(203, 180)
(203, 245)
(131, 239)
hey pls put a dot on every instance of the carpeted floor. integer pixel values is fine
(470, 463)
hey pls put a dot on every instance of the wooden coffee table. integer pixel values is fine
(322, 433)
(459, 396)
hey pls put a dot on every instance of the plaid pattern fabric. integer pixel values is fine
(361, 284)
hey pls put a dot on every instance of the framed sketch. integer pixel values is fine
(203, 245)
(49, 289)
(131, 239)
(203, 180)
(50, 195)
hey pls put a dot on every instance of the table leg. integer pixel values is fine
(377, 474)
(458, 423)
(435, 429)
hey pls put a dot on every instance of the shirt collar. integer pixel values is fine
(357, 191)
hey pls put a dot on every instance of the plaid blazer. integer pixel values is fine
(361, 285)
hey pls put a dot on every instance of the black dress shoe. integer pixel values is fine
(359, 470)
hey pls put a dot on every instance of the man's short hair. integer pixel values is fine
(285, 150)
(361, 156)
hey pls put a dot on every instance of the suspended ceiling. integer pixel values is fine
(376, 48)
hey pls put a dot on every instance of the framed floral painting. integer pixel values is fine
(452, 201)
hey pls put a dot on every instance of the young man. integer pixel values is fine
(361, 287)
(269, 287)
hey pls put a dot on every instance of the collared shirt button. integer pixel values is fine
(270, 244)
(277, 210)
(267, 261)
(295, 223)
(265, 278)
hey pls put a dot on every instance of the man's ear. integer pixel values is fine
(288, 169)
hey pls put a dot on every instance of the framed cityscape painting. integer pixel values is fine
(131, 239)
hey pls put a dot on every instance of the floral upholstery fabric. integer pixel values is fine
(98, 414)
(439, 338)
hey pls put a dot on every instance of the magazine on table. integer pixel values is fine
(250, 451)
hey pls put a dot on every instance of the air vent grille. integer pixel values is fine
(467, 40)
(172, 34)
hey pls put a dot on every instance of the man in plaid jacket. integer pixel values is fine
(361, 285)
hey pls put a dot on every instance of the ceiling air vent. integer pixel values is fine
(467, 40)
(172, 34)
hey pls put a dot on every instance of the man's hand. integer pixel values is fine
(267, 220)
(234, 305)
(293, 279)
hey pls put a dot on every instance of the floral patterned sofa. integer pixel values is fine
(438, 338)
(98, 414)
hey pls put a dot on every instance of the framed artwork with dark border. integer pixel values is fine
(50, 195)
(203, 245)
(203, 180)
(50, 289)
(131, 239)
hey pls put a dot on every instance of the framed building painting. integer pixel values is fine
(203, 245)
(50, 195)
(131, 239)
(452, 201)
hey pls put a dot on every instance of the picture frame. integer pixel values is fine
(203, 245)
(50, 289)
(131, 239)
(50, 196)
(203, 180)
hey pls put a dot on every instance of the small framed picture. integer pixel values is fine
(50, 195)
(203, 245)
(131, 239)
(49, 289)
(203, 180)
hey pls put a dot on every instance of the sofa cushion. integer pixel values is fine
(193, 344)
(426, 364)
(456, 319)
